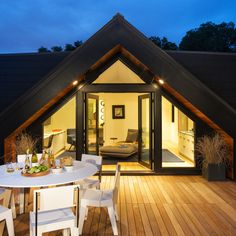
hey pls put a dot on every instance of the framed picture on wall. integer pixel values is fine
(118, 111)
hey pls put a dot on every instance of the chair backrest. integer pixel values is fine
(56, 198)
(21, 158)
(95, 160)
(5, 195)
(132, 136)
(47, 142)
(71, 134)
(116, 184)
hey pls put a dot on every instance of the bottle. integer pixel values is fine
(34, 159)
(43, 159)
(51, 160)
(27, 160)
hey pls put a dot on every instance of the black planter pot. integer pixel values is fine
(214, 172)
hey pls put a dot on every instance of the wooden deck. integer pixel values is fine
(163, 205)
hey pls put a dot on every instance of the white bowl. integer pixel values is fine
(69, 168)
(56, 170)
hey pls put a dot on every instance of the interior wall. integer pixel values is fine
(169, 128)
(118, 127)
(62, 119)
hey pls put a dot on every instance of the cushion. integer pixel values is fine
(119, 150)
(132, 136)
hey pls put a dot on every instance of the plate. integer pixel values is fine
(42, 173)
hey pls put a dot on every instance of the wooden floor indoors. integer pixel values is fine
(163, 205)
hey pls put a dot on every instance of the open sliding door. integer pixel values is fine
(91, 118)
(144, 123)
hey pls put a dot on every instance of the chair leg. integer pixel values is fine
(81, 218)
(116, 212)
(22, 200)
(31, 230)
(13, 206)
(74, 231)
(111, 213)
(86, 213)
(65, 232)
(9, 223)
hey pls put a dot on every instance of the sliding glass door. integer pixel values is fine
(92, 103)
(144, 106)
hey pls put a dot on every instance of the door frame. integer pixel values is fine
(140, 98)
(87, 97)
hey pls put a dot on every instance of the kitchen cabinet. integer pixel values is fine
(186, 144)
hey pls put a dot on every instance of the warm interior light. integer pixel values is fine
(161, 81)
(75, 82)
(155, 85)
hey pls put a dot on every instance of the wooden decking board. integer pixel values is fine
(152, 220)
(123, 220)
(166, 219)
(159, 220)
(194, 219)
(183, 224)
(203, 219)
(131, 220)
(138, 221)
(187, 220)
(161, 205)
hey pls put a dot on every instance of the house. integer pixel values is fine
(116, 82)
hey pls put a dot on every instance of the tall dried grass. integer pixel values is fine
(24, 142)
(213, 149)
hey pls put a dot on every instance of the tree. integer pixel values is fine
(211, 37)
(78, 43)
(69, 47)
(56, 49)
(43, 50)
(163, 43)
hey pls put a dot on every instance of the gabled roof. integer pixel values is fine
(119, 32)
(20, 72)
(216, 70)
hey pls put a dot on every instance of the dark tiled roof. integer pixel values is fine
(19, 72)
(216, 70)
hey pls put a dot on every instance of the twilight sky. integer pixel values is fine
(25, 25)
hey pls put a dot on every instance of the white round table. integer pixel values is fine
(80, 171)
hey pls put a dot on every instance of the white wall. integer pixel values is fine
(63, 119)
(169, 128)
(118, 127)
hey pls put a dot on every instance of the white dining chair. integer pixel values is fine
(101, 198)
(11, 202)
(5, 213)
(89, 182)
(52, 210)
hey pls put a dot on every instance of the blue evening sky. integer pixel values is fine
(25, 25)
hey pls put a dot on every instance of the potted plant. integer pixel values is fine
(25, 144)
(214, 152)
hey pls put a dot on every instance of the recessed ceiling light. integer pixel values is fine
(161, 81)
(75, 82)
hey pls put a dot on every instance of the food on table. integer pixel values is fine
(36, 169)
(67, 161)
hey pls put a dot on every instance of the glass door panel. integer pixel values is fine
(92, 124)
(145, 130)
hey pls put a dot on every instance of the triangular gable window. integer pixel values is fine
(118, 73)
